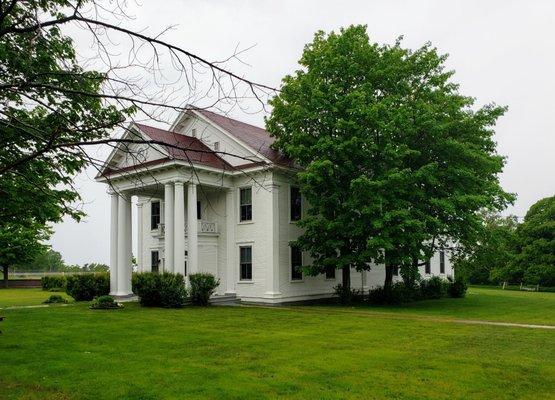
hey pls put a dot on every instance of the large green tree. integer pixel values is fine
(395, 162)
(494, 251)
(534, 249)
(52, 107)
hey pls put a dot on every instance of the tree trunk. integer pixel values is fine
(5, 276)
(346, 277)
(388, 277)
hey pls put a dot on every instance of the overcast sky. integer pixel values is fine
(502, 51)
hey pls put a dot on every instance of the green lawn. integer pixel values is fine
(250, 352)
(484, 304)
(25, 297)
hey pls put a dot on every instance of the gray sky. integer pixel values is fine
(502, 51)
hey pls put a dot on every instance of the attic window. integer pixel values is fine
(194, 132)
(216, 146)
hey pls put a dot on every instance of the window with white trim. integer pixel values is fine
(245, 263)
(245, 204)
(154, 214)
(154, 261)
(441, 262)
(296, 263)
(295, 203)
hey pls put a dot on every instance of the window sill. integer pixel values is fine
(245, 282)
(331, 279)
(245, 222)
(296, 280)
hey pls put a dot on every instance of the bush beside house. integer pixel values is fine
(203, 286)
(433, 288)
(160, 290)
(53, 283)
(88, 286)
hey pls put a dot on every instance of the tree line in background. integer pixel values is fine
(514, 252)
(52, 261)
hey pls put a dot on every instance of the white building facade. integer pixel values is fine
(212, 196)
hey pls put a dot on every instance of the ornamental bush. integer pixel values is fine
(433, 288)
(105, 303)
(54, 299)
(400, 293)
(203, 286)
(346, 295)
(160, 290)
(457, 288)
(86, 287)
(52, 283)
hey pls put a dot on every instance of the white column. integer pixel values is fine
(168, 227)
(192, 235)
(272, 221)
(231, 222)
(128, 247)
(179, 229)
(140, 252)
(124, 259)
(113, 243)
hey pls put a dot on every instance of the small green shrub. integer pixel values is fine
(53, 283)
(346, 295)
(54, 299)
(203, 286)
(433, 288)
(105, 303)
(457, 288)
(160, 290)
(88, 286)
(399, 294)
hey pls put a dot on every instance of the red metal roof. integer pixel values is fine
(186, 148)
(256, 138)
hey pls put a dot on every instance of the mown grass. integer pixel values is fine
(250, 352)
(25, 297)
(484, 304)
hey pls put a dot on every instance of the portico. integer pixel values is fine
(174, 231)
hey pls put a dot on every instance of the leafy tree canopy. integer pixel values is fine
(394, 160)
(493, 252)
(46, 98)
(535, 245)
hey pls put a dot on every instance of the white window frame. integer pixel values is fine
(248, 221)
(239, 246)
(289, 203)
(291, 280)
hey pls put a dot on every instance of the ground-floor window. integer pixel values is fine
(396, 270)
(154, 261)
(428, 268)
(330, 273)
(441, 262)
(296, 263)
(245, 263)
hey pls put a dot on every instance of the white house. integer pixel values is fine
(227, 205)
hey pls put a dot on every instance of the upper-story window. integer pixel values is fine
(194, 132)
(441, 262)
(245, 201)
(199, 210)
(154, 214)
(216, 146)
(295, 203)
